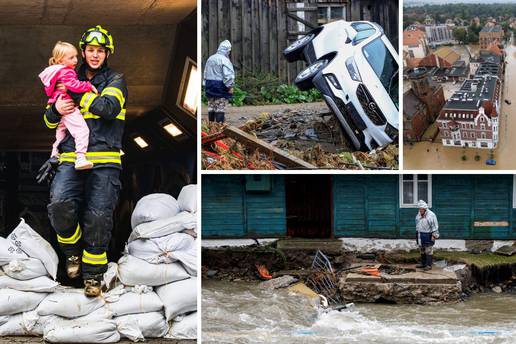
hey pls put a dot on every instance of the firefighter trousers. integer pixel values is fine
(81, 212)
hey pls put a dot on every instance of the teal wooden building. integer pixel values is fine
(375, 206)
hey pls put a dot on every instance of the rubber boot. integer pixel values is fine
(428, 263)
(73, 266)
(423, 262)
(219, 117)
(211, 116)
(92, 288)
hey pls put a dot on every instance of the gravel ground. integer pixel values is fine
(237, 116)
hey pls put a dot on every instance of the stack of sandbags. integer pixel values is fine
(33, 303)
(162, 253)
(29, 268)
(152, 289)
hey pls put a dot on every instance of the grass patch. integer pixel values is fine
(264, 89)
(482, 260)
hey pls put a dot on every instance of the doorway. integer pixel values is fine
(309, 206)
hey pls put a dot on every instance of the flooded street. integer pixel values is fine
(245, 313)
(428, 155)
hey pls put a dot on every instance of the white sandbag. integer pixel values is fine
(73, 331)
(15, 301)
(163, 249)
(12, 325)
(9, 251)
(109, 278)
(154, 207)
(69, 304)
(188, 258)
(101, 313)
(35, 324)
(35, 246)
(25, 268)
(183, 327)
(182, 221)
(137, 327)
(41, 284)
(135, 271)
(179, 297)
(187, 198)
(131, 303)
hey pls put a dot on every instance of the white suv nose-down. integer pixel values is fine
(355, 67)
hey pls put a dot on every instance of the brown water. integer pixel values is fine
(245, 313)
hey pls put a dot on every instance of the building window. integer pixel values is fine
(483, 135)
(482, 127)
(327, 14)
(415, 187)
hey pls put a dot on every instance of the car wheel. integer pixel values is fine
(294, 52)
(304, 78)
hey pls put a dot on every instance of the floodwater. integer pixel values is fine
(428, 155)
(244, 313)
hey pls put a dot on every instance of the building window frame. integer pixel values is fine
(189, 90)
(416, 197)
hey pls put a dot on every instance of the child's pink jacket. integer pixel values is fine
(67, 76)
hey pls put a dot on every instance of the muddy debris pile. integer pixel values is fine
(289, 139)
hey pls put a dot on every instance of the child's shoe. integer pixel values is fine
(82, 164)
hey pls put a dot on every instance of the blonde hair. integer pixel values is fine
(59, 51)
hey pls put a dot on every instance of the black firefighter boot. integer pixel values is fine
(423, 261)
(92, 287)
(211, 116)
(428, 263)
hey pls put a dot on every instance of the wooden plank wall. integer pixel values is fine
(257, 29)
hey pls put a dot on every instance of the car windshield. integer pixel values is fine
(384, 65)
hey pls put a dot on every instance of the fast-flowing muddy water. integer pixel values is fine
(245, 313)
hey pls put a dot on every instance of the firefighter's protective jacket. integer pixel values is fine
(105, 115)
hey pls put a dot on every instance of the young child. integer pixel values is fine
(61, 70)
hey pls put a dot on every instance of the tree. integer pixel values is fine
(472, 37)
(460, 34)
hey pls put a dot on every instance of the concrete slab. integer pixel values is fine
(327, 246)
(433, 276)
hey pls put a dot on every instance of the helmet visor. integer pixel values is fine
(99, 37)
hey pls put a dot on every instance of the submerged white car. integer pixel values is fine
(355, 67)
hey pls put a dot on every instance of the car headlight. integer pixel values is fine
(353, 69)
(333, 80)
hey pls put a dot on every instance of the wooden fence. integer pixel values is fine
(259, 30)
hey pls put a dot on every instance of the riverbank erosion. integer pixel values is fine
(378, 276)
